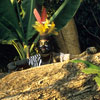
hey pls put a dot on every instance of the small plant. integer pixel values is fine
(91, 69)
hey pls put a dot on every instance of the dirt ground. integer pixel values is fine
(57, 81)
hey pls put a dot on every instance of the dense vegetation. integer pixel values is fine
(88, 24)
(16, 25)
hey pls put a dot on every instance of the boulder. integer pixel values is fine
(56, 81)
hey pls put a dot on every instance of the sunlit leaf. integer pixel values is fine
(97, 79)
(90, 71)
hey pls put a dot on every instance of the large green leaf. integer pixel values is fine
(9, 25)
(29, 19)
(65, 12)
(40, 2)
(91, 71)
(5, 33)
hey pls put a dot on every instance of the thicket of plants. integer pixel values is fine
(16, 24)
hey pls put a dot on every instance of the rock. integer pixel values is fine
(57, 81)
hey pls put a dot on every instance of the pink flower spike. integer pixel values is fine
(37, 15)
(43, 15)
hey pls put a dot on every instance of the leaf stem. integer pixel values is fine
(59, 10)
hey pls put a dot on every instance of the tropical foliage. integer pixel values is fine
(91, 69)
(16, 22)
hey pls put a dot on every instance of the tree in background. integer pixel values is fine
(68, 38)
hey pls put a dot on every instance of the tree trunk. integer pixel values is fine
(68, 39)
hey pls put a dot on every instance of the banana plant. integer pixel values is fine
(16, 24)
(14, 29)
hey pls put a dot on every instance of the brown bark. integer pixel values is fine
(68, 39)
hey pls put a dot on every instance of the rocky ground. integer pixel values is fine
(57, 81)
